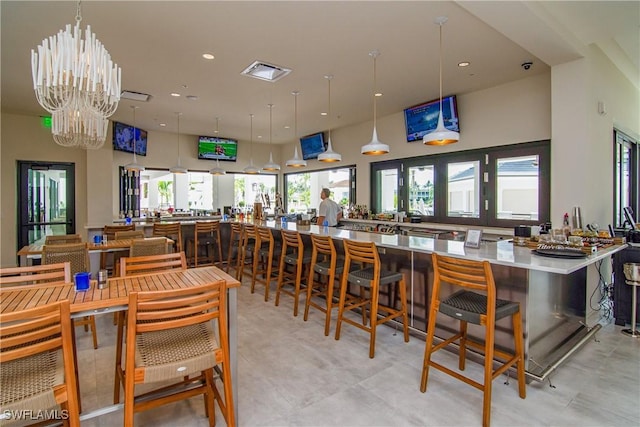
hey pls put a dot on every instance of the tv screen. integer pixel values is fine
(312, 145)
(123, 138)
(423, 118)
(214, 148)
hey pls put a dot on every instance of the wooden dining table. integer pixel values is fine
(115, 297)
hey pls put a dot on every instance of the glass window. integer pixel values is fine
(387, 197)
(303, 189)
(517, 187)
(250, 189)
(627, 176)
(463, 189)
(422, 190)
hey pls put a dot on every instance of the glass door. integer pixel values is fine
(46, 194)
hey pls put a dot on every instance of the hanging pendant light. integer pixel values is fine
(134, 167)
(218, 171)
(78, 83)
(251, 169)
(375, 147)
(178, 169)
(441, 135)
(329, 156)
(296, 162)
(271, 166)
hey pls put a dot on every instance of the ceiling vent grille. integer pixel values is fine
(265, 71)
(135, 96)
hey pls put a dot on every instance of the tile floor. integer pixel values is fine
(290, 374)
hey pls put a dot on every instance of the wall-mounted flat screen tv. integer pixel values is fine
(423, 118)
(123, 139)
(312, 145)
(215, 148)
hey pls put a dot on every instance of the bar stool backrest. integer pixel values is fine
(132, 234)
(464, 273)
(111, 230)
(171, 230)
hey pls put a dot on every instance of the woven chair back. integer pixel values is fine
(76, 254)
(62, 238)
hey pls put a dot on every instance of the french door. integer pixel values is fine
(46, 200)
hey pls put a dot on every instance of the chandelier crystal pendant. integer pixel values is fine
(271, 166)
(134, 167)
(218, 171)
(441, 135)
(178, 169)
(375, 147)
(251, 169)
(296, 162)
(329, 156)
(76, 81)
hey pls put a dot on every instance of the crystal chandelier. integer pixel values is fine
(77, 82)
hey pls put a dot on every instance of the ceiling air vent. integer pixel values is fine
(135, 96)
(264, 71)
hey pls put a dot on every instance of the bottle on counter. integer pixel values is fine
(566, 228)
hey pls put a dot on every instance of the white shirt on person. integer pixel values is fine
(329, 210)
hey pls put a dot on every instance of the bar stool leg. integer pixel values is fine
(634, 301)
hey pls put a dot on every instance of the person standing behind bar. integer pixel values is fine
(329, 210)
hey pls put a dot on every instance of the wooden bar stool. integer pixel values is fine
(263, 259)
(235, 241)
(370, 277)
(480, 309)
(247, 247)
(292, 256)
(206, 235)
(326, 264)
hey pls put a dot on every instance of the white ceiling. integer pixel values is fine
(159, 45)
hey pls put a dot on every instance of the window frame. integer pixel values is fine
(487, 158)
(621, 139)
(352, 182)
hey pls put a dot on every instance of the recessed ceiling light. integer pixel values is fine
(162, 125)
(464, 64)
(377, 94)
(324, 113)
(259, 136)
(192, 97)
(287, 127)
(207, 56)
(176, 94)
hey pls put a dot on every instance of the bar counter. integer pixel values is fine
(554, 294)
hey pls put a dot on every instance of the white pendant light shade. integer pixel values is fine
(134, 167)
(329, 156)
(375, 147)
(178, 169)
(296, 162)
(271, 166)
(217, 171)
(251, 169)
(441, 135)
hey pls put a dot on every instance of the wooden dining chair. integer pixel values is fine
(35, 274)
(108, 259)
(77, 255)
(170, 230)
(62, 238)
(148, 264)
(130, 234)
(38, 363)
(470, 297)
(171, 337)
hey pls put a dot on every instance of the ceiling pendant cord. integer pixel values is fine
(296, 161)
(441, 135)
(329, 156)
(134, 167)
(251, 169)
(375, 147)
(218, 171)
(178, 169)
(271, 166)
